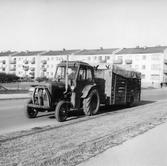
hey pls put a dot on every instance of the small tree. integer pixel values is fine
(8, 77)
(40, 79)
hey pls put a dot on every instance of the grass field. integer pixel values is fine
(15, 87)
(18, 85)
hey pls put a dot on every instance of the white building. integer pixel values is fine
(50, 59)
(96, 56)
(150, 61)
(5, 62)
(25, 64)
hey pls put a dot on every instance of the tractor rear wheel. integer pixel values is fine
(29, 111)
(61, 111)
(91, 104)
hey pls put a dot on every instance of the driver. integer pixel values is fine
(71, 76)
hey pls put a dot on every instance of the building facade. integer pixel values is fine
(150, 61)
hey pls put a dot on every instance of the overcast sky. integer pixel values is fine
(81, 24)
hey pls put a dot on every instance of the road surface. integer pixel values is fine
(13, 119)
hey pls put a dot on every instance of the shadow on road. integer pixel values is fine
(76, 114)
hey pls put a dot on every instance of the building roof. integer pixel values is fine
(73, 63)
(61, 52)
(29, 53)
(7, 53)
(142, 50)
(97, 51)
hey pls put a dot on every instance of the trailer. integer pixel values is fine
(118, 84)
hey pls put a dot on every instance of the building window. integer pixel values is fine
(51, 73)
(120, 57)
(155, 67)
(100, 57)
(154, 77)
(52, 58)
(155, 57)
(48, 58)
(129, 57)
(137, 57)
(51, 66)
(136, 67)
(143, 66)
(88, 58)
(144, 57)
(47, 66)
(95, 58)
(143, 76)
(107, 57)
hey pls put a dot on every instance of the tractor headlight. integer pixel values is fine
(72, 87)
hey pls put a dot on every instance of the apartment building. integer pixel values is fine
(5, 61)
(50, 59)
(150, 61)
(96, 56)
(25, 64)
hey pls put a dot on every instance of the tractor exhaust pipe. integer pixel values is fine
(66, 82)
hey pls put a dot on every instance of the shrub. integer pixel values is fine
(40, 79)
(8, 77)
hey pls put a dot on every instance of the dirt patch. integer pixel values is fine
(73, 143)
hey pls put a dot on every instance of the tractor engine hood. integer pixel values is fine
(57, 90)
(52, 86)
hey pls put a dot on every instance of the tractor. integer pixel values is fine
(73, 87)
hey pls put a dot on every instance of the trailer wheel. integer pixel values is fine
(91, 103)
(29, 111)
(130, 103)
(61, 111)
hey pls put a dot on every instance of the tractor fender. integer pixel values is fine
(86, 90)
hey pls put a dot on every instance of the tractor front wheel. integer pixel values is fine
(91, 104)
(29, 111)
(61, 111)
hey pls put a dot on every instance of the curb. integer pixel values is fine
(14, 98)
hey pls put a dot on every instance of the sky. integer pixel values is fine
(81, 24)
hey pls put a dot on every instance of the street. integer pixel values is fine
(13, 119)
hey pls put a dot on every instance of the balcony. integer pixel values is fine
(32, 68)
(128, 61)
(25, 61)
(43, 69)
(12, 69)
(2, 68)
(165, 61)
(25, 68)
(3, 62)
(44, 61)
(103, 61)
(13, 62)
(32, 61)
(32, 73)
(119, 61)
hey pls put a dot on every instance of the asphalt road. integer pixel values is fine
(12, 116)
